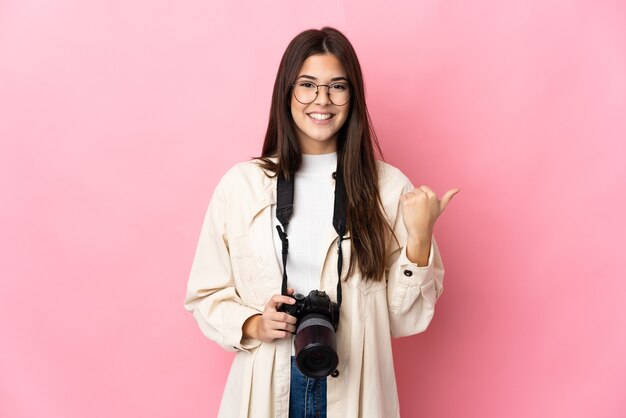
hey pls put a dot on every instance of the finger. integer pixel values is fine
(281, 317)
(276, 300)
(429, 192)
(447, 197)
(290, 292)
(290, 319)
(408, 195)
(420, 192)
(278, 334)
(413, 194)
(281, 325)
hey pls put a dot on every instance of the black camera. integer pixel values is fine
(316, 341)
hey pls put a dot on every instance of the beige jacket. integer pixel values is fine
(235, 271)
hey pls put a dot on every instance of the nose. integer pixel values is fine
(323, 97)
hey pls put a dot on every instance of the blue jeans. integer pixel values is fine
(307, 397)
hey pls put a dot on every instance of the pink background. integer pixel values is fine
(118, 118)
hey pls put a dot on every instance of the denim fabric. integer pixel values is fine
(307, 397)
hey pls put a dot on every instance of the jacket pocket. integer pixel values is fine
(248, 272)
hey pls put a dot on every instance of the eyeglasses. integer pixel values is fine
(306, 92)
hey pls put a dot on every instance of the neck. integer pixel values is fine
(312, 147)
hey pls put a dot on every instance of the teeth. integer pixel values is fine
(320, 116)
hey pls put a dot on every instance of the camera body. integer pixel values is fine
(317, 302)
(316, 341)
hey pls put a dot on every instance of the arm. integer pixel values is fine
(412, 288)
(415, 274)
(211, 293)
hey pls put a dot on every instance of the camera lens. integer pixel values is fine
(316, 346)
(317, 361)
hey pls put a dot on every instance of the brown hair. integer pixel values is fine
(368, 227)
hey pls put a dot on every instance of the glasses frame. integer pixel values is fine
(317, 91)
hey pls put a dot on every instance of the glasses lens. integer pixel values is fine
(305, 91)
(339, 93)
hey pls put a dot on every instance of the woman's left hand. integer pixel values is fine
(420, 210)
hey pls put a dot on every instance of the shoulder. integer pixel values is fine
(245, 187)
(392, 180)
(244, 174)
(392, 183)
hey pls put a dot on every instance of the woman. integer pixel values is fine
(320, 141)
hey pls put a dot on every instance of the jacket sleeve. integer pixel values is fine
(412, 291)
(211, 294)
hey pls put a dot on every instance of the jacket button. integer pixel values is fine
(335, 373)
(408, 273)
(334, 175)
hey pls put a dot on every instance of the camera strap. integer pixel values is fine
(284, 212)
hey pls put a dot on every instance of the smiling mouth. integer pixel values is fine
(320, 116)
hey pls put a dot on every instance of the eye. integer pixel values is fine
(339, 86)
(306, 84)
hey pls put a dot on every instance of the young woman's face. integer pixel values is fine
(319, 122)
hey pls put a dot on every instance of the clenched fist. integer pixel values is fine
(272, 324)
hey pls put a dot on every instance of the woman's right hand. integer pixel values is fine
(271, 325)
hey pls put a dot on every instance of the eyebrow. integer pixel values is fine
(315, 78)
